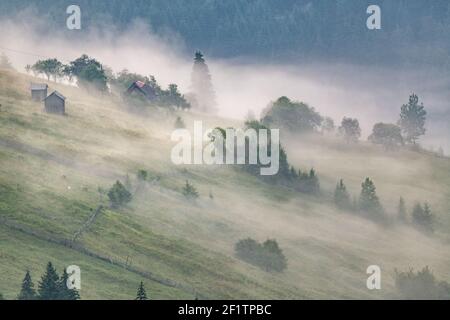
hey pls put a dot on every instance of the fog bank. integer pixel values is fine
(369, 93)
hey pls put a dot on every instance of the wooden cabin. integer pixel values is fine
(143, 88)
(38, 91)
(55, 103)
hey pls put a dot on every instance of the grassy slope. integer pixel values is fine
(51, 169)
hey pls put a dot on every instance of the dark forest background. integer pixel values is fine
(413, 31)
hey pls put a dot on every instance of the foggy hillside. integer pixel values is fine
(334, 89)
(94, 184)
(183, 248)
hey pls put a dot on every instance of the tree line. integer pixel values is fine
(369, 205)
(421, 285)
(50, 287)
(413, 31)
(299, 118)
(90, 74)
(55, 287)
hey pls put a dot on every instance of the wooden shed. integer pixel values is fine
(55, 103)
(38, 91)
(143, 88)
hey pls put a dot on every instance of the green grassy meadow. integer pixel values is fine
(53, 168)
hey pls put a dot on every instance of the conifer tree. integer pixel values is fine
(27, 291)
(368, 199)
(189, 191)
(64, 292)
(314, 182)
(401, 214)
(341, 196)
(48, 287)
(202, 88)
(412, 119)
(141, 294)
(423, 217)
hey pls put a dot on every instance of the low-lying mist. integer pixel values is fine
(369, 92)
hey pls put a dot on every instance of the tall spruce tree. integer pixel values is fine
(422, 217)
(368, 199)
(341, 196)
(27, 291)
(201, 85)
(401, 212)
(64, 292)
(48, 287)
(412, 119)
(141, 294)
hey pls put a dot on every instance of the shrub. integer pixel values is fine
(421, 285)
(267, 256)
(189, 191)
(119, 195)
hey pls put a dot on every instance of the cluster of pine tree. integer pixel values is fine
(305, 182)
(421, 285)
(421, 216)
(51, 287)
(369, 204)
(267, 255)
